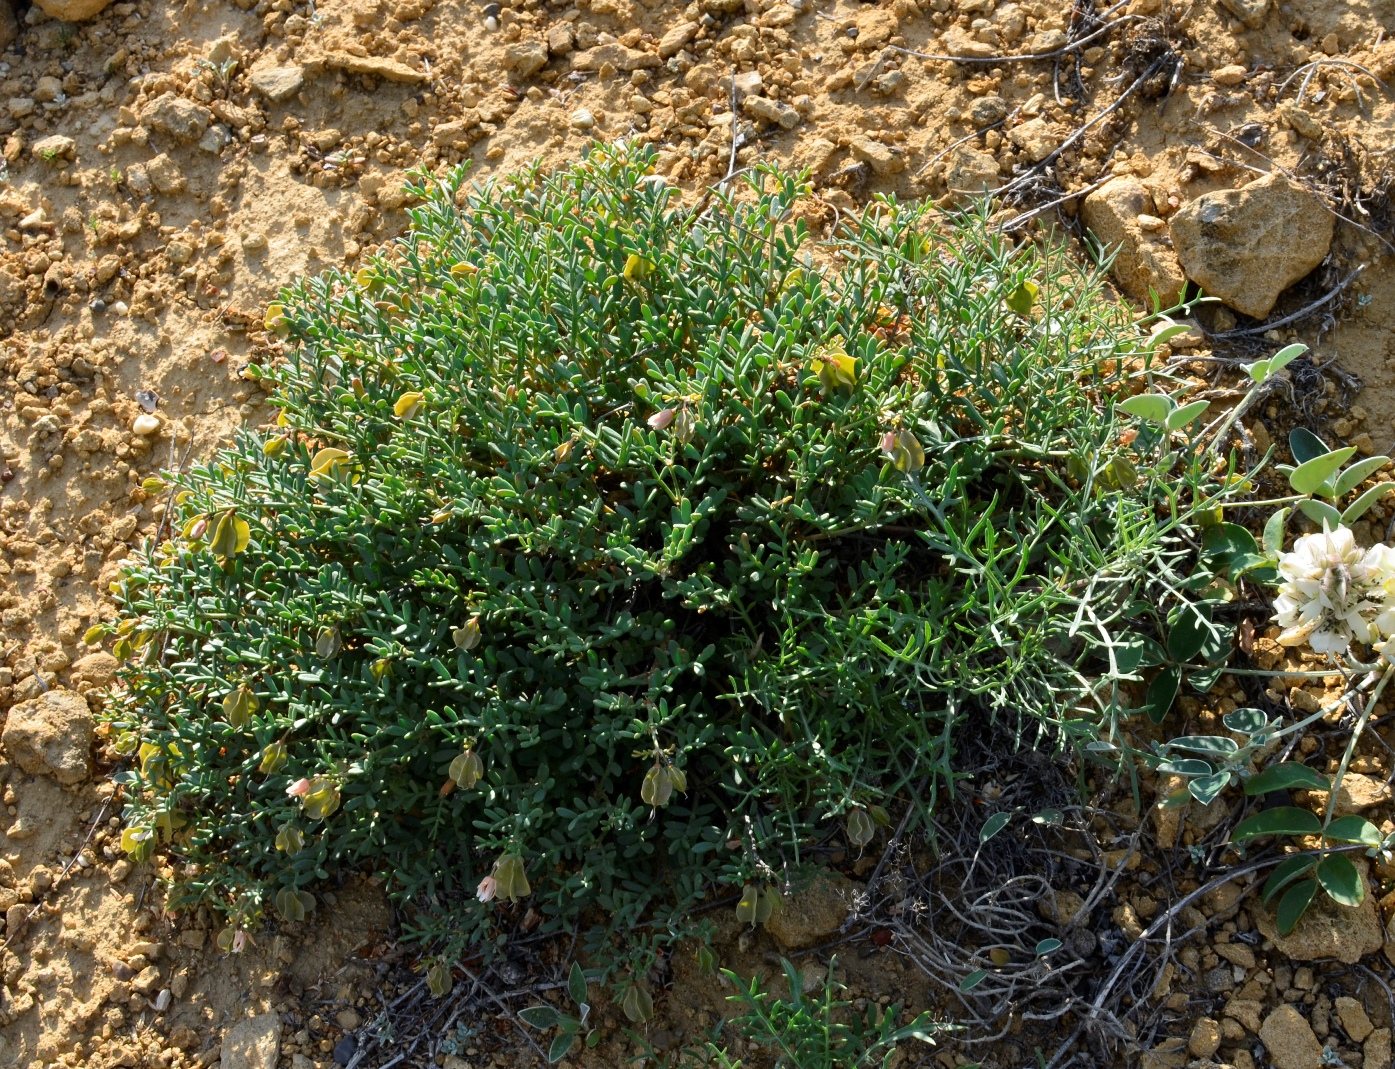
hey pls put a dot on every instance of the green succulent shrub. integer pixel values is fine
(606, 549)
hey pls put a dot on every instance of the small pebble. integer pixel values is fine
(98, 306)
(582, 119)
(344, 1050)
(120, 308)
(145, 425)
(149, 399)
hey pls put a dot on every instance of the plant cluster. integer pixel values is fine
(606, 548)
(1333, 596)
(816, 1029)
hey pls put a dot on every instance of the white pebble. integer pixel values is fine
(582, 119)
(145, 425)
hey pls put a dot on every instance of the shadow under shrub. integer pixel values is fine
(605, 549)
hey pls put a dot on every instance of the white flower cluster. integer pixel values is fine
(1335, 593)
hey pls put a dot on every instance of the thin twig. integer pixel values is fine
(1046, 161)
(1293, 317)
(1027, 57)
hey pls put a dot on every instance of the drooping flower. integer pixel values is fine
(487, 889)
(1335, 593)
(299, 789)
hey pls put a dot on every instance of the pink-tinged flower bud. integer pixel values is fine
(889, 442)
(239, 941)
(299, 789)
(662, 418)
(487, 889)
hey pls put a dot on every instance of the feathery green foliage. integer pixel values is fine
(609, 548)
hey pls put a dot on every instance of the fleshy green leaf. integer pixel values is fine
(994, 824)
(1288, 870)
(1285, 776)
(1180, 417)
(1246, 721)
(1362, 504)
(1149, 407)
(1162, 692)
(1305, 445)
(1341, 880)
(1358, 473)
(973, 980)
(1309, 476)
(576, 984)
(1354, 829)
(1320, 512)
(1281, 820)
(540, 1017)
(1274, 532)
(1293, 905)
(1206, 788)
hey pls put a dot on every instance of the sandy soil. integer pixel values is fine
(167, 166)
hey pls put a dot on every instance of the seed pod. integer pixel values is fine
(408, 405)
(273, 758)
(138, 842)
(274, 447)
(511, 880)
(293, 904)
(328, 643)
(321, 799)
(331, 465)
(290, 839)
(638, 1004)
(657, 787)
(94, 634)
(467, 769)
(907, 455)
(439, 980)
(684, 425)
(746, 908)
(224, 940)
(238, 707)
(860, 828)
(276, 319)
(766, 903)
(467, 635)
(230, 536)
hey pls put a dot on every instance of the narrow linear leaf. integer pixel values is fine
(1362, 504)
(1358, 473)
